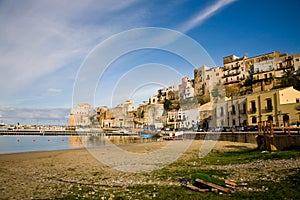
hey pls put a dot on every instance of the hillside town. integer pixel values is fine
(240, 94)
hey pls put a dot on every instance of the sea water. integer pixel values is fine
(15, 144)
(28, 143)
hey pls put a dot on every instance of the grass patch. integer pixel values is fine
(238, 157)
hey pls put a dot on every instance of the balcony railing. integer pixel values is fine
(268, 109)
(285, 67)
(252, 111)
(231, 74)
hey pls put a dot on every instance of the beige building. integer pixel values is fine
(173, 120)
(277, 105)
(119, 116)
(79, 116)
(236, 112)
(200, 87)
(235, 72)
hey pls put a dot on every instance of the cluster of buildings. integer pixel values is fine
(240, 94)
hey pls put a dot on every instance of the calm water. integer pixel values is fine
(14, 144)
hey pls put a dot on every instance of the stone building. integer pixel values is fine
(119, 116)
(199, 81)
(80, 116)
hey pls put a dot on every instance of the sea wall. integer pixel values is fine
(247, 137)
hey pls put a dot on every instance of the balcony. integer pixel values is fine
(231, 74)
(231, 82)
(236, 66)
(268, 109)
(242, 111)
(252, 111)
(285, 67)
(226, 68)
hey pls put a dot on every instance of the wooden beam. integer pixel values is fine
(221, 188)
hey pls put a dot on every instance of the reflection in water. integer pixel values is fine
(97, 140)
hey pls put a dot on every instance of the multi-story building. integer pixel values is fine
(173, 120)
(286, 62)
(200, 86)
(263, 71)
(235, 72)
(119, 116)
(79, 116)
(213, 77)
(189, 119)
(153, 116)
(221, 113)
(236, 115)
(276, 105)
(186, 90)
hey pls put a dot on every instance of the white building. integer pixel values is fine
(186, 90)
(189, 119)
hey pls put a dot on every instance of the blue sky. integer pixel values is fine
(44, 43)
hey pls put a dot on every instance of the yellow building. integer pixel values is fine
(277, 105)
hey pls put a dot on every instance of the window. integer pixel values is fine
(217, 74)
(222, 111)
(297, 100)
(233, 122)
(269, 105)
(270, 75)
(254, 121)
(253, 107)
(233, 110)
(244, 109)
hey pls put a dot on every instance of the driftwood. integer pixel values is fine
(203, 183)
(215, 186)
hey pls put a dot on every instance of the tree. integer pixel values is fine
(248, 84)
(290, 79)
(167, 104)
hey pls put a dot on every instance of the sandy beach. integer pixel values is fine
(51, 174)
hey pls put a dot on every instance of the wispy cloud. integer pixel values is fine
(39, 37)
(204, 14)
(33, 115)
(55, 90)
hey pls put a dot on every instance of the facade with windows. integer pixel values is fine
(277, 105)
(237, 115)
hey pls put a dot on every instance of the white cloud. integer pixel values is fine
(204, 14)
(39, 37)
(55, 90)
(33, 113)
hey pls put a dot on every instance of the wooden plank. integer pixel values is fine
(230, 183)
(192, 187)
(221, 188)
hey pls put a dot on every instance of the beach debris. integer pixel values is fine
(205, 183)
